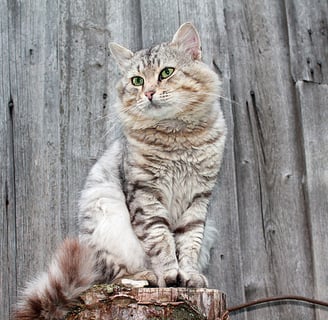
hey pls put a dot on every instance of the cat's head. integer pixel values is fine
(167, 81)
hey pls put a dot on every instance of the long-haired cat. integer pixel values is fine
(143, 209)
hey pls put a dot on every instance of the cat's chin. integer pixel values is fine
(155, 105)
(158, 111)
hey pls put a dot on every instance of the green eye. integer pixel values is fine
(137, 81)
(166, 72)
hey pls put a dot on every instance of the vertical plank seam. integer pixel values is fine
(233, 133)
(237, 198)
(302, 162)
(305, 188)
(65, 41)
(179, 12)
(11, 154)
(140, 23)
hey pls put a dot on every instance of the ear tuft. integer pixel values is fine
(187, 38)
(121, 55)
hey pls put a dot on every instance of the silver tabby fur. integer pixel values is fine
(143, 209)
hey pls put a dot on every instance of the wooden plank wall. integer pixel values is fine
(57, 84)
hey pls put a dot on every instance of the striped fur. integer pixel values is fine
(143, 208)
(52, 294)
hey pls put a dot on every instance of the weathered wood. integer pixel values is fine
(34, 81)
(268, 158)
(109, 302)
(270, 205)
(85, 97)
(313, 101)
(308, 39)
(8, 278)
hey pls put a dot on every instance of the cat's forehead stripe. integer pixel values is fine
(149, 57)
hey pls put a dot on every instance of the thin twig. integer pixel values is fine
(225, 315)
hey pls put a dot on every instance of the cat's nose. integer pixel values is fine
(149, 94)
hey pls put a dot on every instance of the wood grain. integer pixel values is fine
(109, 302)
(268, 158)
(313, 101)
(34, 81)
(308, 39)
(8, 280)
(57, 84)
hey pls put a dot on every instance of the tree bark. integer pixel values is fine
(109, 302)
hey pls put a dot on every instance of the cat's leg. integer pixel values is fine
(150, 221)
(105, 226)
(188, 238)
(112, 269)
(104, 222)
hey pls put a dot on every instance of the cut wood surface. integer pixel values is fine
(109, 302)
(57, 89)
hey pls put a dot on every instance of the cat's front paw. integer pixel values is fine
(192, 280)
(147, 275)
(139, 279)
(168, 278)
(171, 277)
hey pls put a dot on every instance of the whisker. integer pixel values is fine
(218, 96)
(211, 94)
(107, 132)
(102, 117)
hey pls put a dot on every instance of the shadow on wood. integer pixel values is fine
(108, 302)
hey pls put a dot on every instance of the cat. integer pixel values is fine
(143, 209)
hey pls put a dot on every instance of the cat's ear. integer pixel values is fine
(187, 38)
(121, 55)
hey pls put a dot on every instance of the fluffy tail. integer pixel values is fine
(51, 295)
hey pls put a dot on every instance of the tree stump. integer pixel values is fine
(109, 302)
